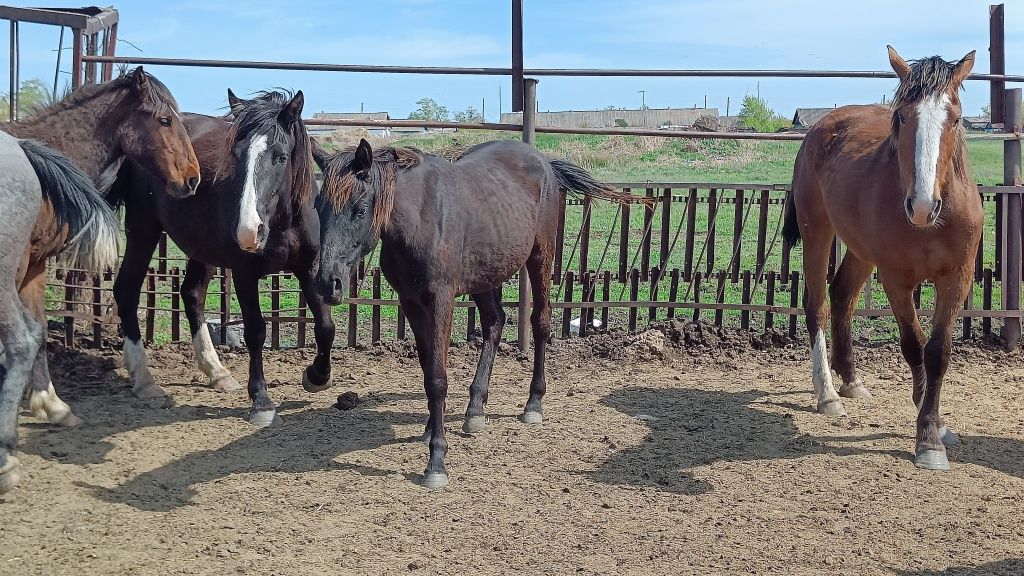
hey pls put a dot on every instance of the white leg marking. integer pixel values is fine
(248, 217)
(138, 367)
(47, 404)
(932, 113)
(821, 375)
(206, 355)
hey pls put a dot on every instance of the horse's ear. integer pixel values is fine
(963, 69)
(899, 65)
(235, 102)
(363, 160)
(292, 111)
(140, 83)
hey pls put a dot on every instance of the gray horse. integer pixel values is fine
(81, 231)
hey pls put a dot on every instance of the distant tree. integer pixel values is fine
(620, 123)
(986, 110)
(429, 109)
(468, 115)
(756, 114)
(32, 95)
(611, 108)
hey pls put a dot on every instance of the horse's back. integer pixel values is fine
(21, 199)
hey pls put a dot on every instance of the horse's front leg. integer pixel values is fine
(932, 434)
(193, 294)
(317, 376)
(263, 412)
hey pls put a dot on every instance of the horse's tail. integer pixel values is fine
(790, 227)
(93, 233)
(576, 179)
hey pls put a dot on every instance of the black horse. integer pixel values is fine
(253, 213)
(448, 229)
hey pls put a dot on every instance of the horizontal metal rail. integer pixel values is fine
(488, 71)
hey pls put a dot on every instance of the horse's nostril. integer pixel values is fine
(193, 183)
(908, 205)
(936, 209)
(259, 231)
(339, 286)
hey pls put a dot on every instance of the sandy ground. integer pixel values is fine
(655, 458)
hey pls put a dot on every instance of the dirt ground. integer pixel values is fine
(702, 456)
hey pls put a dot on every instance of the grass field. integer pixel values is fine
(640, 159)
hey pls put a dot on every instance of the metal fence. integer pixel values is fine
(705, 264)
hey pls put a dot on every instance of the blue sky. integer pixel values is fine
(558, 33)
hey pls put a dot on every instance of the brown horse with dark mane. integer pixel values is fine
(126, 131)
(448, 229)
(894, 184)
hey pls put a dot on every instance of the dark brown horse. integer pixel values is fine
(127, 130)
(894, 184)
(448, 229)
(254, 214)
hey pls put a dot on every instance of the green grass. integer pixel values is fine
(631, 159)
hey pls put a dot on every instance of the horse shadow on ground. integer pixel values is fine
(1005, 567)
(691, 428)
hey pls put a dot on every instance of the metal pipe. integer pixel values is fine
(13, 94)
(517, 56)
(997, 62)
(596, 72)
(1013, 252)
(529, 136)
(56, 71)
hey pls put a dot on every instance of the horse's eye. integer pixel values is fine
(899, 116)
(281, 158)
(165, 121)
(361, 212)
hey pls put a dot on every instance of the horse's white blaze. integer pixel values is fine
(47, 404)
(931, 119)
(248, 218)
(821, 373)
(206, 354)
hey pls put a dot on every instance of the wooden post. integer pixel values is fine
(606, 295)
(353, 311)
(673, 290)
(634, 292)
(175, 304)
(275, 311)
(996, 61)
(737, 236)
(97, 311)
(794, 300)
(712, 217)
(556, 273)
(645, 242)
(585, 236)
(150, 305)
(624, 242)
(567, 311)
(529, 136)
(666, 227)
(76, 58)
(109, 49)
(1012, 213)
(375, 309)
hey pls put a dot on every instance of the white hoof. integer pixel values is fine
(474, 424)
(931, 460)
(48, 405)
(225, 383)
(264, 418)
(533, 417)
(832, 408)
(435, 480)
(10, 474)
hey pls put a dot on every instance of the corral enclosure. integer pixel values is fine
(670, 446)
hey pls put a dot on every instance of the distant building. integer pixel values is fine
(653, 118)
(805, 118)
(980, 123)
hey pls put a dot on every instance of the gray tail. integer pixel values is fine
(577, 180)
(790, 227)
(93, 233)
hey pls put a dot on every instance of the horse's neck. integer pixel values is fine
(85, 133)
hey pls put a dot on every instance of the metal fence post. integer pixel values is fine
(1012, 213)
(529, 127)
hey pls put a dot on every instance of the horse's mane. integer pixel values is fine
(341, 183)
(160, 101)
(261, 114)
(928, 76)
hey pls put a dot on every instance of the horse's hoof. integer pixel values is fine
(10, 474)
(531, 417)
(70, 421)
(226, 384)
(435, 480)
(149, 391)
(949, 438)
(474, 424)
(931, 460)
(264, 418)
(832, 408)
(312, 388)
(857, 390)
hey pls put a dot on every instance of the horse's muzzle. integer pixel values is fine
(922, 214)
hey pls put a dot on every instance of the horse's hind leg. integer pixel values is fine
(817, 244)
(193, 295)
(43, 400)
(539, 267)
(22, 337)
(844, 293)
(492, 322)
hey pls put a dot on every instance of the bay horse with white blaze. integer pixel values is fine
(48, 207)
(124, 134)
(894, 184)
(253, 213)
(448, 229)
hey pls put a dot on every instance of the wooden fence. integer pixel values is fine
(704, 251)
